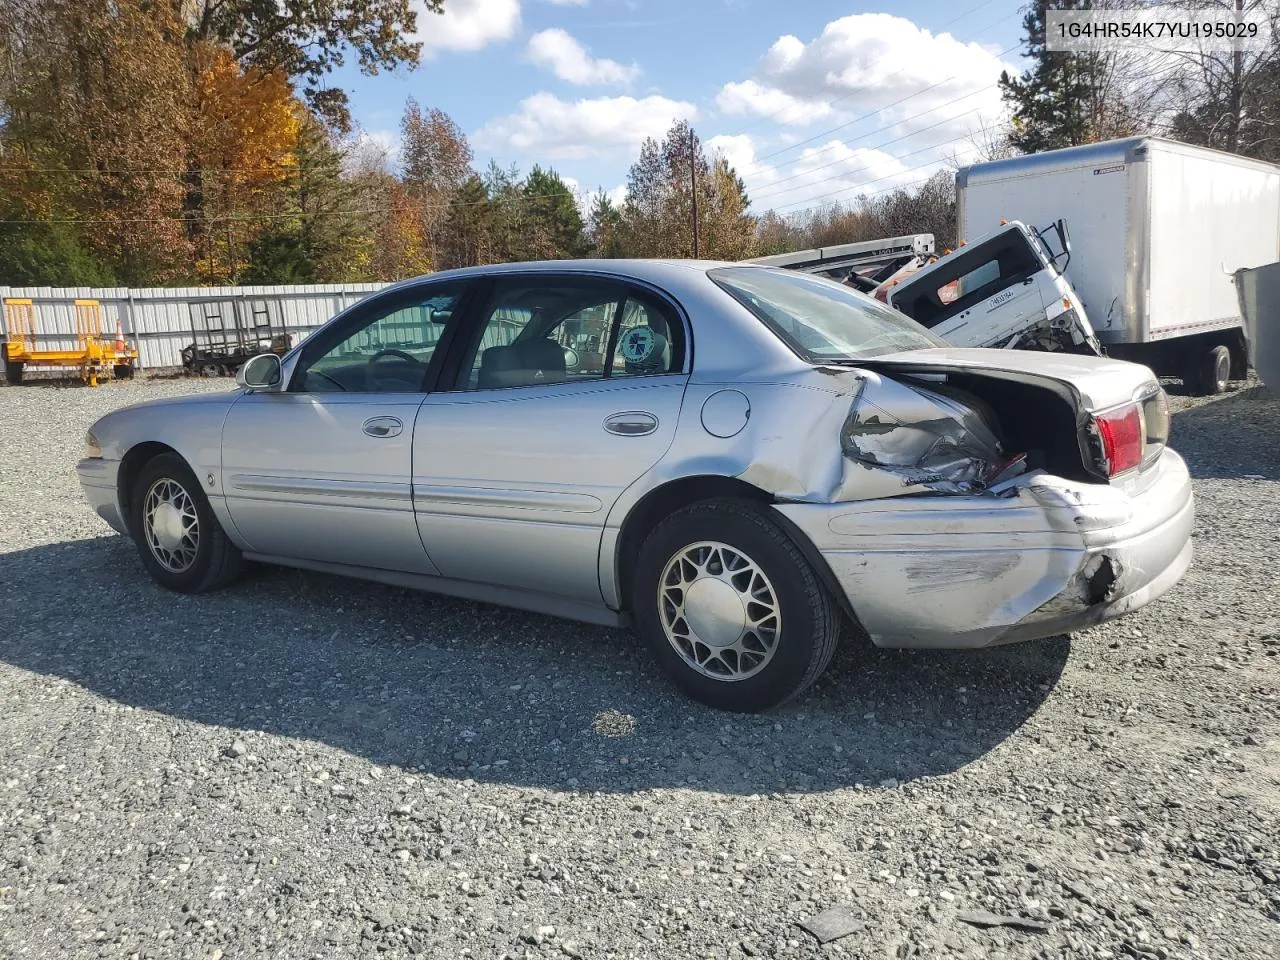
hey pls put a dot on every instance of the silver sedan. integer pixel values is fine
(742, 463)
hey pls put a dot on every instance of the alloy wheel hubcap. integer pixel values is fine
(719, 611)
(171, 525)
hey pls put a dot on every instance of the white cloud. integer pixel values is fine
(749, 96)
(559, 52)
(864, 63)
(548, 127)
(834, 171)
(466, 25)
(738, 149)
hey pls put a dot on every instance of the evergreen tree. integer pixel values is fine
(1063, 99)
(605, 227)
(555, 224)
(510, 231)
(470, 226)
(324, 241)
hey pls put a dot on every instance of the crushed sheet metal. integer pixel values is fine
(931, 440)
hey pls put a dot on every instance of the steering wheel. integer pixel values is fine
(371, 378)
(319, 373)
(392, 352)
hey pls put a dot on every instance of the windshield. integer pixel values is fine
(820, 319)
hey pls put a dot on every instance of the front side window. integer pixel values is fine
(538, 330)
(820, 319)
(388, 349)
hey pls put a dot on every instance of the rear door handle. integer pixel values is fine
(383, 427)
(633, 423)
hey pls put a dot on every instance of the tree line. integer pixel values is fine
(198, 142)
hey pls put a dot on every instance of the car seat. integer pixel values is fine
(522, 364)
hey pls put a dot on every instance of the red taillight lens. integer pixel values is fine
(1123, 437)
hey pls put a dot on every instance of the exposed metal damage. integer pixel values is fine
(931, 440)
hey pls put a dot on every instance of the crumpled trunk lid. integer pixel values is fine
(957, 420)
(1090, 383)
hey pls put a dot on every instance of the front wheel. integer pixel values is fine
(12, 370)
(179, 539)
(730, 607)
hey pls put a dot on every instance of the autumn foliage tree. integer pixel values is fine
(658, 213)
(197, 142)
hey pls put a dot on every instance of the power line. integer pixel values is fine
(758, 161)
(769, 192)
(865, 169)
(220, 218)
(897, 186)
(845, 96)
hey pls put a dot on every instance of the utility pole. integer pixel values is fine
(693, 183)
(1235, 99)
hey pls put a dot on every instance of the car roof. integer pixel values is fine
(652, 271)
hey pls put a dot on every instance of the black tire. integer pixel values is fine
(12, 371)
(1214, 372)
(216, 562)
(810, 619)
(122, 371)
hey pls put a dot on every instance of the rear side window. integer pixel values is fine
(543, 330)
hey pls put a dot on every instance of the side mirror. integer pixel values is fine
(1064, 242)
(262, 373)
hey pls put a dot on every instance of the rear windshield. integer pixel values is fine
(821, 319)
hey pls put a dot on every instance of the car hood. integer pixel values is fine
(1097, 382)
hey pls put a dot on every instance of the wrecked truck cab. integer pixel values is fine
(968, 497)
(1007, 290)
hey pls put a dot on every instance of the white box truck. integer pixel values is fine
(1157, 230)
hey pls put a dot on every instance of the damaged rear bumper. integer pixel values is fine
(972, 571)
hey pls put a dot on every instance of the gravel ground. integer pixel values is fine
(306, 766)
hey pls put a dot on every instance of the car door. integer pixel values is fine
(322, 470)
(566, 391)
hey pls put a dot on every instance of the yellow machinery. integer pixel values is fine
(94, 353)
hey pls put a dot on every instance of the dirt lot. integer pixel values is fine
(304, 766)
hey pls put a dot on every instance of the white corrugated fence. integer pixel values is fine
(159, 321)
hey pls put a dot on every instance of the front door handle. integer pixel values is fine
(632, 423)
(383, 427)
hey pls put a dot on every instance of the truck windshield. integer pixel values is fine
(820, 319)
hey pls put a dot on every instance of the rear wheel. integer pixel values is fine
(1215, 371)
(122, 371)
(1206, 371)
(179, 539)
(730, 607)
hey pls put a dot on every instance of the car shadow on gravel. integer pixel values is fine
(1236, 435)
(462, 690)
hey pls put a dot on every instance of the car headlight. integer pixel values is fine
(92, 449)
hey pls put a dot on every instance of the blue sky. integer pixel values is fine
(812, 101)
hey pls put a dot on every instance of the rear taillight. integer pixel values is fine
(1120, 431)
(1131, 435)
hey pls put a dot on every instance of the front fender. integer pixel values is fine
(190, 426)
